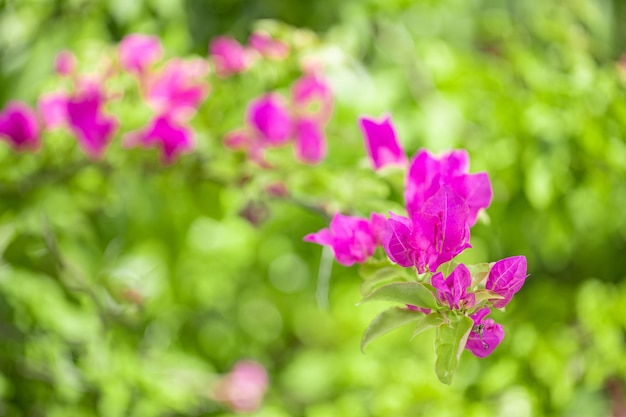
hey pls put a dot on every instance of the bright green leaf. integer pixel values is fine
(414, 293)
(387, 321)
(379, 278)
(482, 295)
(449, 344)
(429, 321)
(479, 272)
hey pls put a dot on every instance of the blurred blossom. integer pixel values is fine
(352, 239)
(312, 97)
(18, 126)
(93, 128)
(267, 46)
(244, 387)
(53, 109)
(229, 56)
(163, 132)
(269, 116)
(381, 143)
(485, 336)
(65, 63)
(178, 89)
(310, 144)
(137, 52)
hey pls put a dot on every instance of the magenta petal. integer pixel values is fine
(137, 52)
(397, 239)
(476, 190)
(53, 109)
(228, 56)
(268, 46)
(454, 288)
(310, 144)
(485, 336)
(323, 237)
(381, 143)
(312, 97)
(377, 226)
(18, 125)
(453, 164)
(173, 139)
(269, 116)
(65, 63)
(507, 277)
(422, 181)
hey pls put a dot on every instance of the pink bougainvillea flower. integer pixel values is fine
(310, 144)
(429, 237)
(381, 143)
(85, 118)
(351, 238)
(312, 97)
(427, 174)
(485, 336)
(244, 387)
(18, 126)
(453, 290)
(229, 56)
(269, 116)
(136, 52)
(506, 277)
(267, 46)
(165, 133)
(178, 89)
(65, 63)
(53, 109)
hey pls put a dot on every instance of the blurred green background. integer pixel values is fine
(125, 287)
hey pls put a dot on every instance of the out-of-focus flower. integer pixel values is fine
(453, 290)
(310, 144)
(312, 97)
(53, 109)
(485, 336)
(163, 132)
(18, 126)
(428, 174)
(506, 277)
(430, 237)
(352, 239)
(136, 52)
(178, 89)
(229, 56)
(65, 63)
(244, 387)
(267, 46)
(381, 143)
(93, 128)
(269, 117)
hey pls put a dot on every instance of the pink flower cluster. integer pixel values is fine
(273, 121)
(174, 89)
(243, 388)
(443, 201)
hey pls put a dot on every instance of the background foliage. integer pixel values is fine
(126, 286)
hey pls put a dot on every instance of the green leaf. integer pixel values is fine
(482, 295)
(414, 293)
(379, 278)
(449, 344)
(387, 321)
(429, 321)
(479, 272)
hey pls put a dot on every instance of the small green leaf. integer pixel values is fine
(414, 293)
(379, 278)
(479, 272)
(449, 344)
(430, 320)
(482, 295)
(447, 268)
(387, 321)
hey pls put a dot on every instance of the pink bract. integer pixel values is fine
(229, 56)
(453, 289)
(312, 97)
(310, 145)
(163, 132)
(381, 143)
(506, 277)
(137, 52)
(53, 109)
(485, 336)
(65, 63)
(267, 46)
(18, 126)
(269, 116)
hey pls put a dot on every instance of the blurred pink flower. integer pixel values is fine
(229, 56)
(53, 109)
(269, 116)
(18, 126)
(381, 143)
(312, 97)
(165, 133)
(244, 387)
(267, 46)
(65, 63)
(93, 128)
(178, 89)
(310, 144)
(137, 52)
